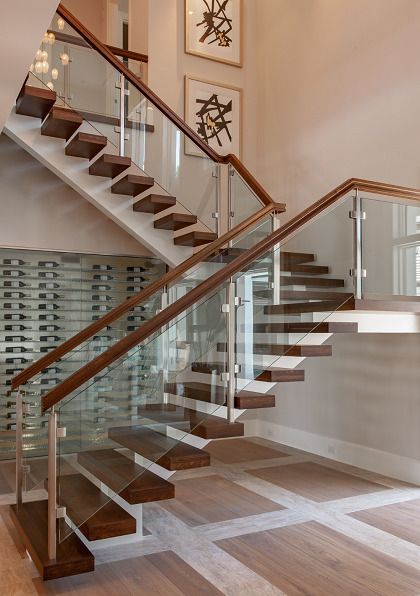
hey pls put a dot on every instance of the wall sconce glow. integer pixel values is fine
(54, 74)
(60, 23)
(51, 38)
(45, 67)
(65, 59)
(38, 55)
(50, 86)
(190, 12)
(44, 56)
(38, 67)
(45, 38)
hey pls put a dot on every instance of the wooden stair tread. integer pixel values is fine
(132, 185)
(217, 394)
(154, 203)
(314, 295)
(109, 166)
(175, 221)
(92, 511)
(208, 367)
(159, 448)
(194, 422)
(227, 255)
(132, 482)
(309, 327)
(35, 102)
(301, 307)
(271, 349)
(61, 123)
(281, 375)
(86, 145)
(307, 269)
(312, 282)
(195, 238)
(73, 557)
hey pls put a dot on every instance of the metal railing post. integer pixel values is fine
(52, 485)
(358, 273)
(230, 309)
(19, 448)
(122, 116)
(276, 265)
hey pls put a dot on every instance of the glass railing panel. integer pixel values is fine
(288, 292)
(243, 201)
(138, 405)
(391, 248)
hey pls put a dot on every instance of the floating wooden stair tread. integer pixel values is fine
(309, 327)
(73, 557)
(306, 269)
(109, 166)
(314, 295)
(132, 185)
(92, 511)
(208, 367)
(301, 307)
(197, 423)
(86, 145)
(154, 203)
(35, 102)
(195, 238)
(283, 349)
(175, 221)
(217, 394)
(61, 123)
(311, 282)
(282, 375)
(159, 448)
(227, 255)
(132, 482)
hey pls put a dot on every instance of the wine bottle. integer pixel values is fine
(103, 277)
(49, 296)
(15, 295)
(49, 286)
(14, 262)
(48, 264)
(14, 317)
(13, 272)
(16, 328)
(13, 305)
(16, 338)
(48, 307)
(102, 267)
(49, 327)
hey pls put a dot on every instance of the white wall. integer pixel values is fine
(339, 91)
(39, 211)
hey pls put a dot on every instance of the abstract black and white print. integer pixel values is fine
(213, 29)
(214, 118)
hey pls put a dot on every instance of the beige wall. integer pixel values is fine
(169, 63)
(91, 13)
(40, 211)
(339, 91)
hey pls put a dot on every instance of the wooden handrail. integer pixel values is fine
(107, 54)
(77, 41)
(211, 284)
(139, 297)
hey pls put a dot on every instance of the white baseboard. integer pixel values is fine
(381, 462)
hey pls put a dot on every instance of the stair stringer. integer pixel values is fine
(74, 171)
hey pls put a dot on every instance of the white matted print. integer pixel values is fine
(213, 111)
(213, 30)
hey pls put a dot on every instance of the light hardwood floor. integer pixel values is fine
(264, 519)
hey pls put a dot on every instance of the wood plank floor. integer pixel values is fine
(215, 499)
(263, 519)
(316, 482)
(234, 451)
(312, 559)
(399, 519)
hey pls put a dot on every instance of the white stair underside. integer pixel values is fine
(26, 132)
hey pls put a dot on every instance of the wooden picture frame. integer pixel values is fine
(214, 111)
(214, 30)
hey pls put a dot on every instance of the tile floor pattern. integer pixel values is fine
(264, 519)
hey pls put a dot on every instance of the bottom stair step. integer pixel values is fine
(132, 482)
(197, 423)
(159, 448)
(92, 511)
(73, 557)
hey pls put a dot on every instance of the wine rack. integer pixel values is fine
(47, 297)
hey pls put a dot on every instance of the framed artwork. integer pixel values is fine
(213, 30)
(214, 112)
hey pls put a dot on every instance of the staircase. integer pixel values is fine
(66, 143)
